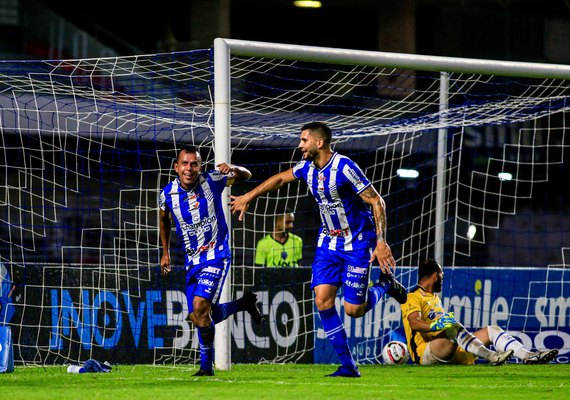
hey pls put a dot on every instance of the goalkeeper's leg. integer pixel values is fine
(472, 343)
(439, 351)
(503, 342)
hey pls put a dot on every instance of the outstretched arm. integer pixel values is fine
(382, 252)
(240, 204)
(235, 173)
(165, 228)
(443, 323)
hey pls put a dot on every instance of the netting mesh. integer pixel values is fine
(87, 145)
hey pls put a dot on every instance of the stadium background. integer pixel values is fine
(516, 30)
(520, 30)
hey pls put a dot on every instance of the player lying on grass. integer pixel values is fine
(435, 337)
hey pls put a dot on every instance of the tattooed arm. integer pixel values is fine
(382, 252)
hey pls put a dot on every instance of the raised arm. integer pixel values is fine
(165, 228)
(240, 204)
(235, 173)
(382, 252)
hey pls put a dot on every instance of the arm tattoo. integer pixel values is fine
(380, 220)
(378, 212)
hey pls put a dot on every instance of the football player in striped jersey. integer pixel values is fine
(352, 235)
(194, 201)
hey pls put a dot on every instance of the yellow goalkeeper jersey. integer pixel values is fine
(430, 308)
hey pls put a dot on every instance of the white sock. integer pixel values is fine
(469, 342)
(503, 342)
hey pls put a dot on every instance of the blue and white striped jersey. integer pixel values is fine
(199, 217)
(347, 221)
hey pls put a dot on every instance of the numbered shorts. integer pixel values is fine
(349, 269)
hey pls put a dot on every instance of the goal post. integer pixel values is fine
(225, 48)
(222, 143)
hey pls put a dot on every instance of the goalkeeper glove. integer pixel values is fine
(444, 322)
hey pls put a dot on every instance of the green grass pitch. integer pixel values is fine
(270, 381)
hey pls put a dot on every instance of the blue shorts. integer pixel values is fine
(207, 282)
(351, 270)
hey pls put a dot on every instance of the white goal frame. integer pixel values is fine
(224, 48)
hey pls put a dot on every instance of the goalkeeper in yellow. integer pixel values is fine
(435, 337)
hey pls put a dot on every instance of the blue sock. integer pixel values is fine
(221, 312)
(337, 336)
(206, 340)
(375, 293)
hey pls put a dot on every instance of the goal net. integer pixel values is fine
(468, 155)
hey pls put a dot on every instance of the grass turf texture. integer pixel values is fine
(268, 381)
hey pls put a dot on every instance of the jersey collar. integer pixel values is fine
(329, 162)
(177, 179)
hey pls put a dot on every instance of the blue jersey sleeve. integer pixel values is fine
(217, 180)
(300, 170)
(162, 201)
(355, 176)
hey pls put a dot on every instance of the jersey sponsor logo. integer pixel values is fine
(192, 252)
(351, 275)
(329, 208)
(286, 264)
(336, 232)
(433, 315)
(212, 270)
(355, 285)
(193, 200)
(204, 225)
(355, 177)
(357, 270)
(205, 282)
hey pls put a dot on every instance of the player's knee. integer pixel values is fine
(201, 320)
(354, 311)
(200, 315)
(324, 303)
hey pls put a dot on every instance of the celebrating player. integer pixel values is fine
(351, 237)
(435, 337)
(194, 199)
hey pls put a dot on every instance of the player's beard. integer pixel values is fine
(308, 155)
(437, 286)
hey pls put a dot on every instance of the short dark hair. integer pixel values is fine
(321, 128)
(188, 149)
(427, 267)
(282, 211)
